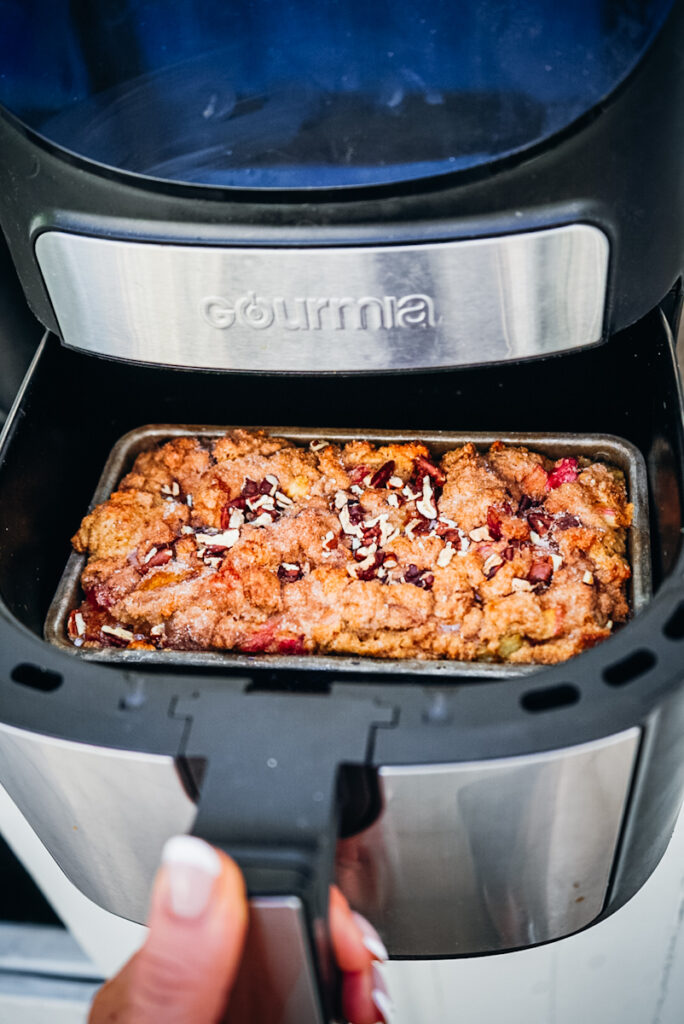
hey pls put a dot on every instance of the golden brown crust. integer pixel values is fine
(252, 543)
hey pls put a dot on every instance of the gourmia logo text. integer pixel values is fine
(317, 314)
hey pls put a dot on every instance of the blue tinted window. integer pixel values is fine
(272, 93)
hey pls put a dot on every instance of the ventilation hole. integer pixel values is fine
(37, 678)
(674, 627)
(550, 698)
(623, 672)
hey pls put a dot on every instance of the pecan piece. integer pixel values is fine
(492, 566)
(290, 572)
(236, 503)
(449, 534)
(356, 513)
(380, 478)
(540, 571)
(358, 473)
(115, 636)
(540, 522)
(526, 503)
(419, 577)
(161, 556)
(566, 521)
(494, 523)
(371, 571)
(423, 467)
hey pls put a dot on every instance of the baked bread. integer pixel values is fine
(251, 543)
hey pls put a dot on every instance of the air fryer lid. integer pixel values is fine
(269, 95)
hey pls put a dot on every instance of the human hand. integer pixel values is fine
(187, 968)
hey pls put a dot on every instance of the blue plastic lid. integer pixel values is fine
(290, 94)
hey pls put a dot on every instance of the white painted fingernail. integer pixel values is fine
(192, 867)
(383, 1003)
(380, 997)
(371, 939)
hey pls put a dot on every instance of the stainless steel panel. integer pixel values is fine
(328, 309)
(103, 814)
(276, 983)
(464, 858)
(493, 855)
(604, 446)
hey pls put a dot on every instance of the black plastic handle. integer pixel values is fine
(268, 797)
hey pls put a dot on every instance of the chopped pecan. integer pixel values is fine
(161, 556)
(540, 522)
(494, 523)
(423, 467)
(380, 478)
(290, 572)
(526, 503)
(566, 521)
(540, 571)
(419, 577)
(358, 473)
(449, 534)
(356, 513)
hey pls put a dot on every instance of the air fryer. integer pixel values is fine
(365, 220)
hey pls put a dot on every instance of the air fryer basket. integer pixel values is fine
(290, 732)
(618, 452)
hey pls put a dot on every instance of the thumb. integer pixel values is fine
(197, 925)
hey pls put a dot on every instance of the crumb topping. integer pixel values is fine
(252, 543)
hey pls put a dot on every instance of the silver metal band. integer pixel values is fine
(329, 309)
(464, 858)
(492, 855)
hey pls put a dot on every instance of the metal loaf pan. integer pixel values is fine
(605, 447)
